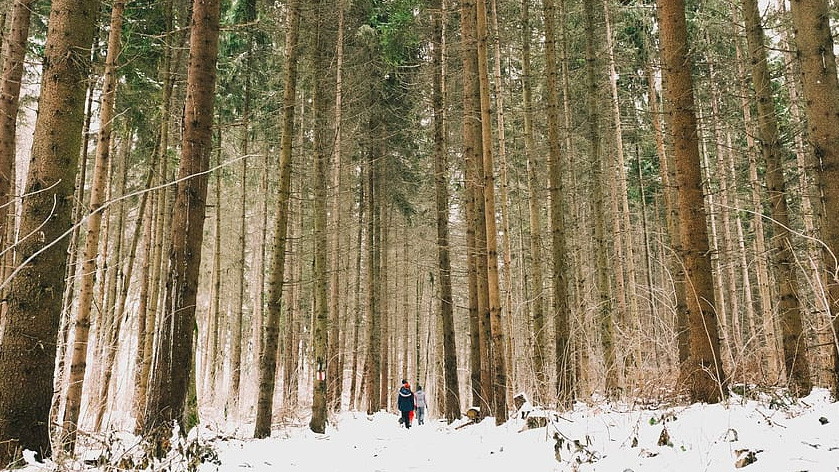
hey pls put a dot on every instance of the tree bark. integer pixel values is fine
(475, 180)
(90, 252)
(335, 355)
(794, 343)
(444, 266)
(30, 325)
(173, 367)
(702, 374)
(601, 248)
(496, 324)
(534, 191)
(14, 53)
(814, 43)
(506, 243)
(374, 353)
(268, 359)
(565, 385)
(320, 339)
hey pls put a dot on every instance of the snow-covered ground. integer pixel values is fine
(775, 435)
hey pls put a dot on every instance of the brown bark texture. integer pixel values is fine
(173, 366)
(563, 351)
(268, 358)
(814, 43)
(789, 305)
(444, 265)
(30, 325)
(702, 373)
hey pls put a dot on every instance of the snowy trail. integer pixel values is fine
(771, 434)
(605, 438)
(381, 445)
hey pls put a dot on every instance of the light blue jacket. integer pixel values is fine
(421, 401)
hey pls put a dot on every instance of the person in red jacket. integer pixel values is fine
(406, 403)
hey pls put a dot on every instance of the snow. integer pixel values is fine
(781, 434)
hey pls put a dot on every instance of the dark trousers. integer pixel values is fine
(406, 418)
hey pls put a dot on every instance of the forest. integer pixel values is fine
(257, 211)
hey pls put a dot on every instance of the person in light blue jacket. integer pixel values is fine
(422, 404)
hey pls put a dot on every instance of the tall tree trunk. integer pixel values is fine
(14, 53)
(61, 372)
(472, 281)
(702, 374)
(507, 304)
(373, 276)
(794, 343)
(444, 265)
(30, 324)
(475, 179)
(357, 314)
(336, 373)
(268, 359)
(534, 191)
(563, 351)
(214, 355)
(496, 324)
(814, 43)
(90, 251)
(173, 366)
(811, 212)
(601, 248)
(78, 363)
(320, 339)
(387, 344)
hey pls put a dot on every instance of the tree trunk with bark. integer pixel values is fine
(496, 324)
(320, 339)
(14, 53)
(814, 43)
(601, 248)
(335, 354)
(794, 343)
(34, 300)
(90, 252)
(565, 385)
(172, 369)
(534, 207)
(475, 180)
(506, 240)
(373, 275)
(268, 358)
(702, 373)
(444, 266)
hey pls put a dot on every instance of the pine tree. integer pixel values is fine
(30, 323)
